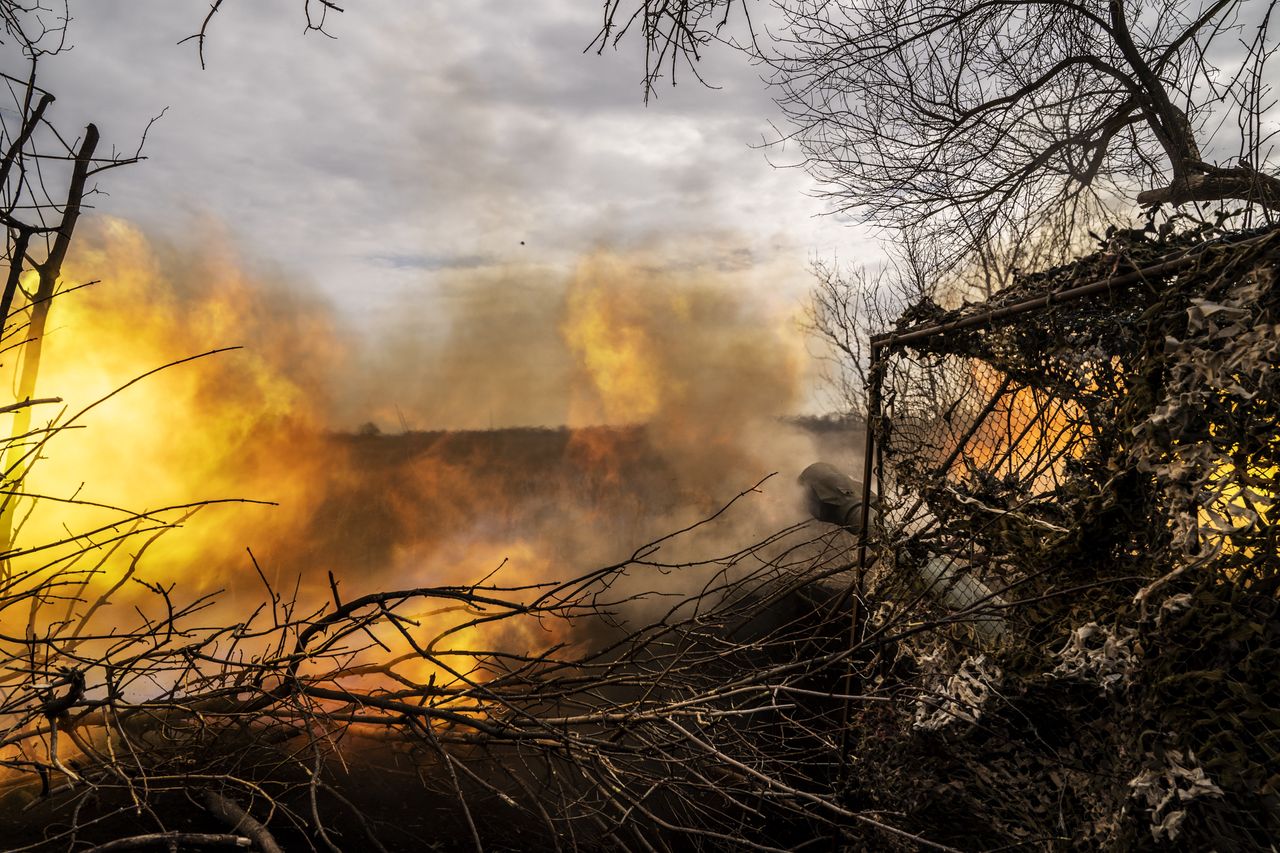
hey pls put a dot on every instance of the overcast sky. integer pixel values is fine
(436, 172)
(429, 138)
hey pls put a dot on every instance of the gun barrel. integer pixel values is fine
(836, 498)
(832, 495)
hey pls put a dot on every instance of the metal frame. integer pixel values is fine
(882, 346)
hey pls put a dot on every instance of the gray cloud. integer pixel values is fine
(428, 139)
(432, 262)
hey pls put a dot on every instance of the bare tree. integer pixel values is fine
(315, 13)
(970, 115)
(45, 179)
(657, 705)
(849, 305)
(985, 138)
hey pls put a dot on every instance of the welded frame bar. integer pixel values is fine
(923, 332)
(875, 378)
(883, 346)
(857, 621)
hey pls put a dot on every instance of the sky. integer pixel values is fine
(426, 141)
(436, 169)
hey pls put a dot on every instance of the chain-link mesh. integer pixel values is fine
(1075, 551)
(971, 465)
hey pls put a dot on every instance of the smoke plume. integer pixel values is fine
(520, 416)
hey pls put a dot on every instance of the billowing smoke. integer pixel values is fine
(551, 421)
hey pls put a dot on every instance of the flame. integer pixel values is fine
(607, 328)
(681, 355)
(1235, 503)
(232, 425)
(685, 352)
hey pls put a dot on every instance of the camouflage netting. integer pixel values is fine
(1099, 475)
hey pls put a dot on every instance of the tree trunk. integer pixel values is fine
(18, 461)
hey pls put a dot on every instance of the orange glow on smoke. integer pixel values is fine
(229, 426)
(1027, 436)
(249, 423)
(706, 377)
(608, 331)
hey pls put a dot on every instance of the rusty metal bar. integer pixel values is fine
(875, 376)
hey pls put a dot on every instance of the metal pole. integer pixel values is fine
(857, 617)
(1065, 295)
(873, 416)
